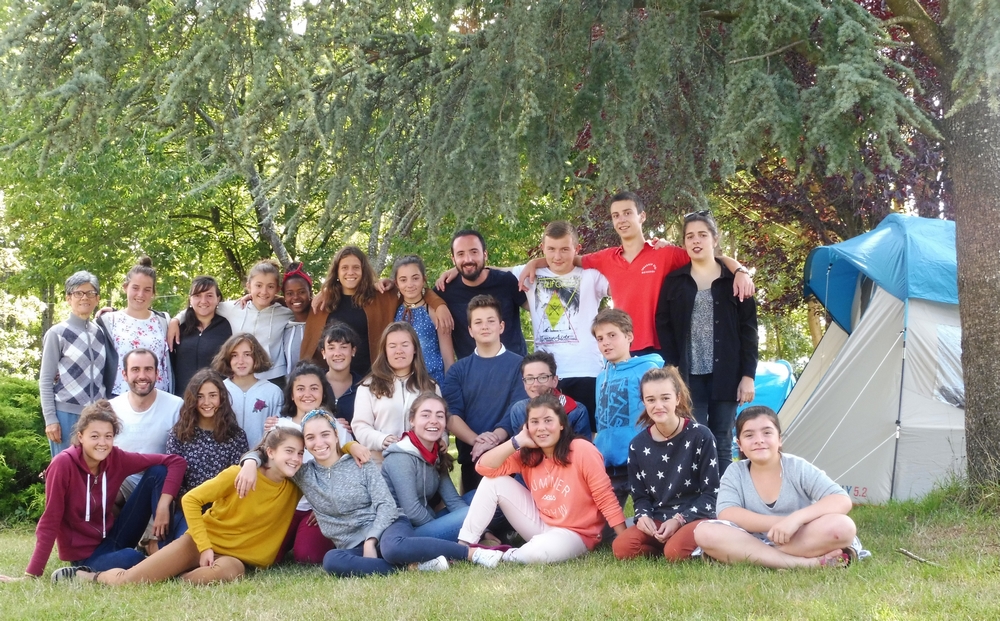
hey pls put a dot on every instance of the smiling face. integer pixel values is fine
(307, 393)
(241, 360)
(209, 401)
(544, 427)
(627, 219)
(349, 273)
(286, 458)
(410, 282)
(613, 342)
(485, 326)
(140, 291)
(430, 422)
(96, 441)
(82, 300)
(338, 355)
(699, 241)
(263, 288)
(205, 303)
(399, 351)
(760, 440)
(321, 440)
(660, 399)
(469, 257)
(298, 295)
(538, 379)
(560, 253)
(141, 374)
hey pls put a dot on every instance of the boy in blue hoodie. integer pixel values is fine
(619, 400)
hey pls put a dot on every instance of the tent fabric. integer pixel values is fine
(772, 384)
(910, 257)
(880, 405)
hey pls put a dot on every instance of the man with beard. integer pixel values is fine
(468, 253)
(146, 414)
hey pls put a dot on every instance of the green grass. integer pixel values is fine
(888, 586)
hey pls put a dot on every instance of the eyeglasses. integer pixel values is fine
(80, 295)
(541, 379)
(703, 213)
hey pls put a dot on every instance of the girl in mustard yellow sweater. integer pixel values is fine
(236, 531)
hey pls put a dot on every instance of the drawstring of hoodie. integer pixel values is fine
(104, 503)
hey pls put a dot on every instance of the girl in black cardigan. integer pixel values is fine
(708, 333)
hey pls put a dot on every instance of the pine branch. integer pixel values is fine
(781, 49)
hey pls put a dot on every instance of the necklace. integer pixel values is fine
(412, 305)
(677, 428)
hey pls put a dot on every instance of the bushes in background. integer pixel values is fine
(24, 450)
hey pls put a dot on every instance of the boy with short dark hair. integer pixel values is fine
(619, 398)
(538, 374)
(480, 388)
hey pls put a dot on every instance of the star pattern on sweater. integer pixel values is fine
(645, 451)
(659, 475)
(687, 482)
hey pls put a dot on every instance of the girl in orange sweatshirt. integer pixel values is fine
(568, 498)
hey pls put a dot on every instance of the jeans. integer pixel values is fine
(118, 548)
(398, 547)
(445, 526)
(66, 422)
(718, 416)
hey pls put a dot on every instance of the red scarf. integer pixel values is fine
(430, 457)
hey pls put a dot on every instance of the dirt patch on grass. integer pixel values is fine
(940, 541)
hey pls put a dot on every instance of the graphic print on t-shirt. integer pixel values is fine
(559, 298)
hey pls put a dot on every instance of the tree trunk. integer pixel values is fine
(973, 157)
(48, 313)
(813, 312)
(262, 206)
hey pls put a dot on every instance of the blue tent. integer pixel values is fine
(908, 257)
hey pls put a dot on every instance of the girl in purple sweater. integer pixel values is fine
(81, 484)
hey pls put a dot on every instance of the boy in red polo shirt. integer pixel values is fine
(636, 269)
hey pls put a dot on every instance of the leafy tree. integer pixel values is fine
(381, 113)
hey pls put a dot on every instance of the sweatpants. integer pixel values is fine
(181, 558)
(544, 543)
(398, 547)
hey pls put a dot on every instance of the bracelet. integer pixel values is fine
(680, 519)
(513, 442)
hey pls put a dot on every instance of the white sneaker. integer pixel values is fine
(435, 564)
(64, 574)
(486, 557)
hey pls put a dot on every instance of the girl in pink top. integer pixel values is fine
(568, 498)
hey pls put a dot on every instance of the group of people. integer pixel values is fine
(241, 431)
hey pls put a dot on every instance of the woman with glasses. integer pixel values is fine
(709, 333)
(73, 355)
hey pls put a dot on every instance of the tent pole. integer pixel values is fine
(899, 406)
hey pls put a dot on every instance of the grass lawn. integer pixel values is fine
(887, 586)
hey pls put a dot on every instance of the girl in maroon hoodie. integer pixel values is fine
(81, 484)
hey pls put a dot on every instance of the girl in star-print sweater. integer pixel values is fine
(673, 472)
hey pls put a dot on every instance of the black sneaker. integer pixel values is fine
(67, 574)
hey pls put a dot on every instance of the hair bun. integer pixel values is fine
(145, 261)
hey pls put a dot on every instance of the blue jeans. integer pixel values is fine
(445, 526)
(398, 547)
(66, 422)
(117, 551)
(718, 416)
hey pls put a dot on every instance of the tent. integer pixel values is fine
(881, 404)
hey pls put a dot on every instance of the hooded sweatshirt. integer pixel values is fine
(268, 325)
(414, 483)
(263, 399)
(78, 503)
(619, 404)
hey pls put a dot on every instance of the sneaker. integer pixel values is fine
(435, 564)
(67, 574)
(486, 557)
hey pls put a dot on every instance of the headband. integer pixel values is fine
(297, 272)
(311, 414)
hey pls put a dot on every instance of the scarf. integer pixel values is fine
(430, 457)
